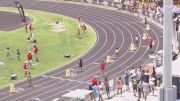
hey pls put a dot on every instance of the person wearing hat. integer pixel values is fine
(29, 58)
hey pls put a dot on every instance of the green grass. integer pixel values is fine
(52, 46)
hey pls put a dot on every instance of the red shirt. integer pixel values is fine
(150, 41)
(25, 67)
(29, 56)
(94, 81)
(102, 65)
(35, 50)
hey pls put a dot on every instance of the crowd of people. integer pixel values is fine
(32, 53)
(142, 81)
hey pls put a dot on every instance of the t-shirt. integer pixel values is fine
(25, 67)
(29, 56)
(35, 50)
(102, 66)
(95, 81)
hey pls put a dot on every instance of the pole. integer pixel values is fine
(166, 93)
(167, 43)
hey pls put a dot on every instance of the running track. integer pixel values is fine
(113, 30)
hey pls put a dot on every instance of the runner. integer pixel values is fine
(137, 40)
(80, 64)
(29, 58)
(150, 43)
(102, 67)
(117, 52)
(25, 69)
(91, 94)
(36, 53)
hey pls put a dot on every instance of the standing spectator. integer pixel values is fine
(95, 91)
(29, 58)
(117, 52)
(140, 89)
(106, 83)
(119, 86)
(25, 69)
(102, 67)
(152, 84)
(91, 94)
(134, 84)
(94, 81)
(8, 52)
(80, 64)
(126, 80)
(18, 54)
(100, 93)
(29, 79)
(145, 90)
(36, 53)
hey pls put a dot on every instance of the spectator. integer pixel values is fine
(94, 81)
(134, 84)
(106, 83)
(152, 83)
(95, 91)
(91, 94)
(126, 80)
(145, 90)
(119, 86)
(140, 89)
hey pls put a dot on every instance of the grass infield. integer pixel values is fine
(52, 45)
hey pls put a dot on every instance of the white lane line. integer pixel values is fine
(67, 83)
(105, 53)
(156, 48)
(76, 59)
